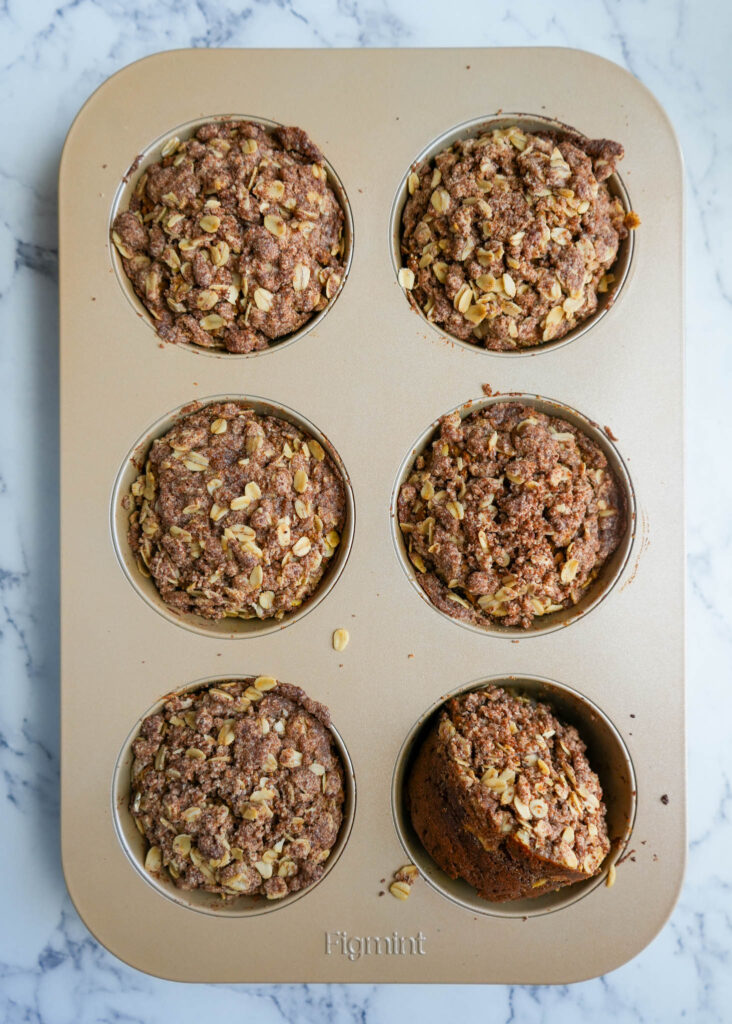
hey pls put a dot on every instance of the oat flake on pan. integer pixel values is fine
(509, 237)
(236, 514)
(404, 879)
(234, 238)
(238, 789)
(509, 515)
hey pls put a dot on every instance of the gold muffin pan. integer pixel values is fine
(366, 378)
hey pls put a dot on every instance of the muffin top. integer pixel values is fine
(509, 515)
(238, 788)
(235, 237)
(526, 776)
(236, 514)
(508, 237)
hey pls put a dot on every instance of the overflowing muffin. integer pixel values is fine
(234, 238)
(509, 237)
(238, 789)
(501, 794)
(509, 515)
(236, 514)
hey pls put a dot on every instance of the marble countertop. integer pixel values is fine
(56, 52)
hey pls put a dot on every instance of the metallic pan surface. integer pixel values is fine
(370, 376)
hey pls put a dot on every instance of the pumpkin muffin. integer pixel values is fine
(509, 237)
(234, 238)
(502, 795)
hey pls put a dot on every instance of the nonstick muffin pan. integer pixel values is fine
(368, 378)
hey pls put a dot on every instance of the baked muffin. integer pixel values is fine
(236, 514)
(501, 795)
(509, 515)
(235, 237)
(238, 789)
(508, 238)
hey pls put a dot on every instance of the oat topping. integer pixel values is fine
(509, 237)
(235, 237)
(502, 794)
(403, 881)
(340, 639)
(236, 514)
(238, 789)
(509, 515)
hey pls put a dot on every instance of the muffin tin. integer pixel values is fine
(372, 375)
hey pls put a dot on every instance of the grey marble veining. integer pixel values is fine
(54, 55)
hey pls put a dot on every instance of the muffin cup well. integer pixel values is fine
(135, 845)
(153, 153)
(119, 524)
(607, 754)
(609, 573)
(530, 123)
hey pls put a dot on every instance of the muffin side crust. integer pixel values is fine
(235, 237)
(236, 514)
(509, 515)
(238, 789)
(508, 238)
(501, 794)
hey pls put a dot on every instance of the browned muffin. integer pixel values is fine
(235, 237)
(510, 515)
(509, 237)
(236, 514)
(238, 788)
(501, 794)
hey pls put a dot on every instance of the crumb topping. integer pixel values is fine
(527, 775)
(509, 515)
(238, 789)
(509, 237)
(235, 237)
(236, 514)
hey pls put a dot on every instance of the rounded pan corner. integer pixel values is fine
(625, 73)
(646, 940)
(97, 934)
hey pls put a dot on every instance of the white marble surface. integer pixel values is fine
(55, 53)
